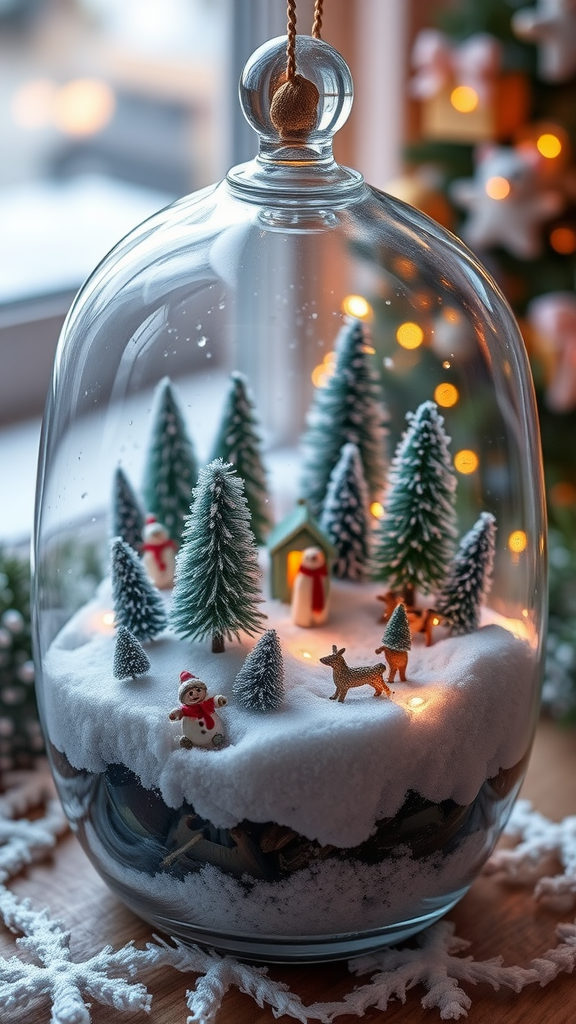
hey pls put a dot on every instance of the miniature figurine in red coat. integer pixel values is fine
(201, 725)
(158, 554)
(311, 589)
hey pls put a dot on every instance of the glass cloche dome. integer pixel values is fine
(289, 557)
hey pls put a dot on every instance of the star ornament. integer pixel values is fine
(552, 26)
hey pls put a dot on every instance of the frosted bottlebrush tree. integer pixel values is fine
(171, 466)
(130, 658)
(349, 408)
(415, 537)
(137, 603)
(238, 442)
(217, 587)
(346, 515)
(259, 685)
(470, 577)
(127, 516)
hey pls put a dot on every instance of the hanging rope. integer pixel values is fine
(294, 107)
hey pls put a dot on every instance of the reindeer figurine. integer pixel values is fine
(346, 678)
(420, 620)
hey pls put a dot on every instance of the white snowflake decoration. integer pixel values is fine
(539, 837)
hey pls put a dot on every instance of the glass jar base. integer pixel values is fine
(297, 949)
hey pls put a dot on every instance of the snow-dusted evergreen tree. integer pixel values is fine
(130, 658)
(470, 577)
(238, 443)
(137, 603)
(346, 515)
(415, 537)
(217, 585)
(259, 685)
(127, 516)
(171, 468)
(397, 634)
(348, 409)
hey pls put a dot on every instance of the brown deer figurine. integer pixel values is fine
(420, 620)
(346, 678)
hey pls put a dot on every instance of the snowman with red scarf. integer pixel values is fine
(311, 589)
(158, 554)
(201, 725)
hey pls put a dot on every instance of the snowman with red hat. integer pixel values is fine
(158, 553)
(201, 725)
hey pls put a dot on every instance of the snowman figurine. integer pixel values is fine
(311, 589)
(201, 725)
(158, 554)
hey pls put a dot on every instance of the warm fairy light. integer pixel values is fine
(451, 316)
(377, 509)
(293, 563)
(517, 541)
(549, 145)
(466, 461)
(410, 335)
(436, 621)
(497, 187)
(369, 349)
(464, 99)
(446, 364)
(563, 240)
(31, 105)
(446, 395)
(416, 702)
(357, 306)
(306, 654)
(108, 618)
(84, 106)
(525, 613)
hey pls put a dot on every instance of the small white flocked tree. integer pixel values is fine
(470, 577)
(346, 516)
(137, 603)
(130, 658)
(259, 685)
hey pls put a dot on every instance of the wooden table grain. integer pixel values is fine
(496, 918)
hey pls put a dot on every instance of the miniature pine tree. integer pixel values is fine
(397, 636)
(130, 658)
(171, 466)
(259, 685)
(345, 517)
(137, 603)
(415, 536)
(127, 516)
(217, 587)
(470, 577)
(238, 443)
(348, 409)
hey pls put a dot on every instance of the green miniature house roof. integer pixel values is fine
(299, 518)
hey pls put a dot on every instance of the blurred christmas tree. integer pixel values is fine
(495, 161)
(20, 737)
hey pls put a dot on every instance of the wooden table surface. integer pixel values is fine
(496, 918)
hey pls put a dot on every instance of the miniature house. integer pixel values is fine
(286, 543)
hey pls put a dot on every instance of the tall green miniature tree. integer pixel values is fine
(127, 516)
(171, 468)
(137, 603)
(239, 444)
(470, 577)
(217, 586)
(130, 658)
(259, 685)
(415, 537)
(346, 516)
(397, 636)
(348, 409)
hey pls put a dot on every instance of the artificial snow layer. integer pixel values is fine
(328, 770)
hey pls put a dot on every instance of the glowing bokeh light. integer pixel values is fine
(357, 306)
(409, 335)
(108, 618)
(466, 461)
(377, 509)
(497, 187)
(549, 145)
(84, 106)
(464, 99)
(306, 654)
(517, 541)
(446, 395)
(563, 240)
